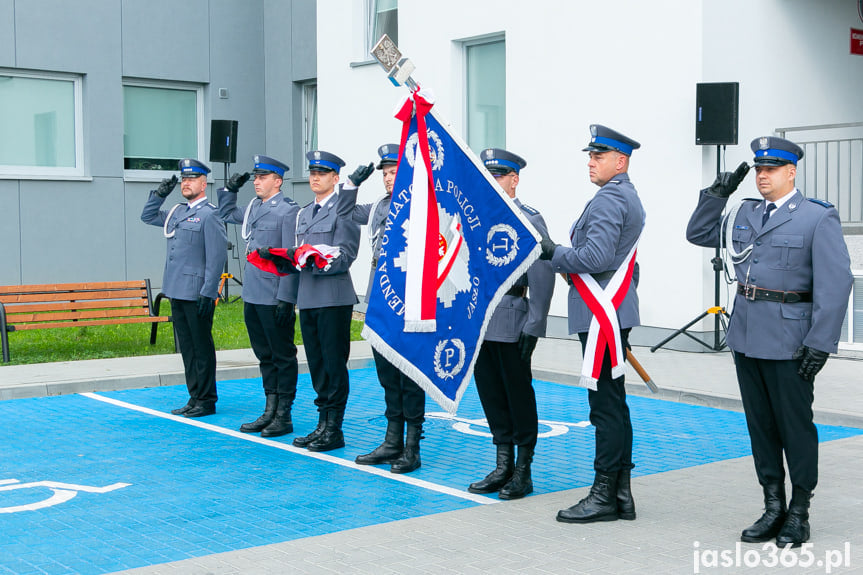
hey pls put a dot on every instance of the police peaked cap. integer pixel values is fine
(604, 139)
(773, 151)
(268, 165)
(501, 162)
(389, 154)
(320, 161)
(191, 168)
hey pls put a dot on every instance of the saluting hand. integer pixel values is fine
(167, 186)
(361, 174)
(237, 181)
(726, 182)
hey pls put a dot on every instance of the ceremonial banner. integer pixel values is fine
(453, 244)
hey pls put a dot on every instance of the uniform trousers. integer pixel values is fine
(327, 341)
(778, 407)
(195, 338)
(609, 415)
(274, 347)
(405, 400)
(505, 386)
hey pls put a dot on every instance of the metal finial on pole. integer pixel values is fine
(398, 69)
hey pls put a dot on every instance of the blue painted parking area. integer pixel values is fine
(96, 483)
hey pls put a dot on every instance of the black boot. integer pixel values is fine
(305, 440)
(625, 503)
(599, 505)
(281, 424)
(521, 484)
(388, 451)
(410, 459)
(768, 526)
(501, 474)
(265, 418)
(795, 531)
(331, 437)
(185, 409)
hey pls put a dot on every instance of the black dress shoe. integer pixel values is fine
(201, 411)
(185, 409)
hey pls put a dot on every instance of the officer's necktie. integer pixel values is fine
(317, 208)
(770, 207)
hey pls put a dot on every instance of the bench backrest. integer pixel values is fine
(67, 305)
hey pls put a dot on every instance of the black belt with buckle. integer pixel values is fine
(753, 293)
(517, 291)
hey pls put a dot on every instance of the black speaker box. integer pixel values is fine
(223, 141)
(716, 113)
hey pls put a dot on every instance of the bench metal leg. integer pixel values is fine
(4, 336)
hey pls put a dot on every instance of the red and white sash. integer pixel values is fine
(423, 242)
(604, 332)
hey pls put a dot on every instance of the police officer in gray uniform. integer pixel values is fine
(326, 296)
(197, 252)
(405, 400)
(268, 299)
(602, 238)
(794, 277)
(503, 373)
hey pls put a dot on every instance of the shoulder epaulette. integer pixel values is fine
(212, 206)
(822, 203)
(529, 210)
(753, 199)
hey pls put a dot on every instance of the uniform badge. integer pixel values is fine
(489, 154)
(317, 155)
(764, 143)
(593, 130)
(257, 159)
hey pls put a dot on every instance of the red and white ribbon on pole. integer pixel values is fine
(604, 332)
(423, 239)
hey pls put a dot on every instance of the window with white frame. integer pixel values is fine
(41, 123)
(382, 17)
(162, 124)
(485, 94)
(310, 121)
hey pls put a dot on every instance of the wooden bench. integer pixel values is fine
(76, 305)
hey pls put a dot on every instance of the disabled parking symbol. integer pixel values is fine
(60, 492)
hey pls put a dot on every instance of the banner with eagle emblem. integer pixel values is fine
(453, 244)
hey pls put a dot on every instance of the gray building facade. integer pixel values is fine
(74, 215)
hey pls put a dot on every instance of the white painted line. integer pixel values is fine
(403, 478)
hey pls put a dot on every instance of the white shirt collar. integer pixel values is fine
(196, 202)
(781, 201)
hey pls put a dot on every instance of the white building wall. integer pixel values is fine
(628, 64)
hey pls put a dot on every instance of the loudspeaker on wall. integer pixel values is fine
(716, 107)
(223, 141)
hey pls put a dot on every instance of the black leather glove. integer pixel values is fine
(727, 182)
(206, 306)
(526, 345)
(237, 181)
(282, 265)
(361, 174)
(548, 247)
(265, 253)
(167, 186)
(813, 361)
(283, 313)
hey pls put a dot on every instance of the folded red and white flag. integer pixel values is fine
(285, 261)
